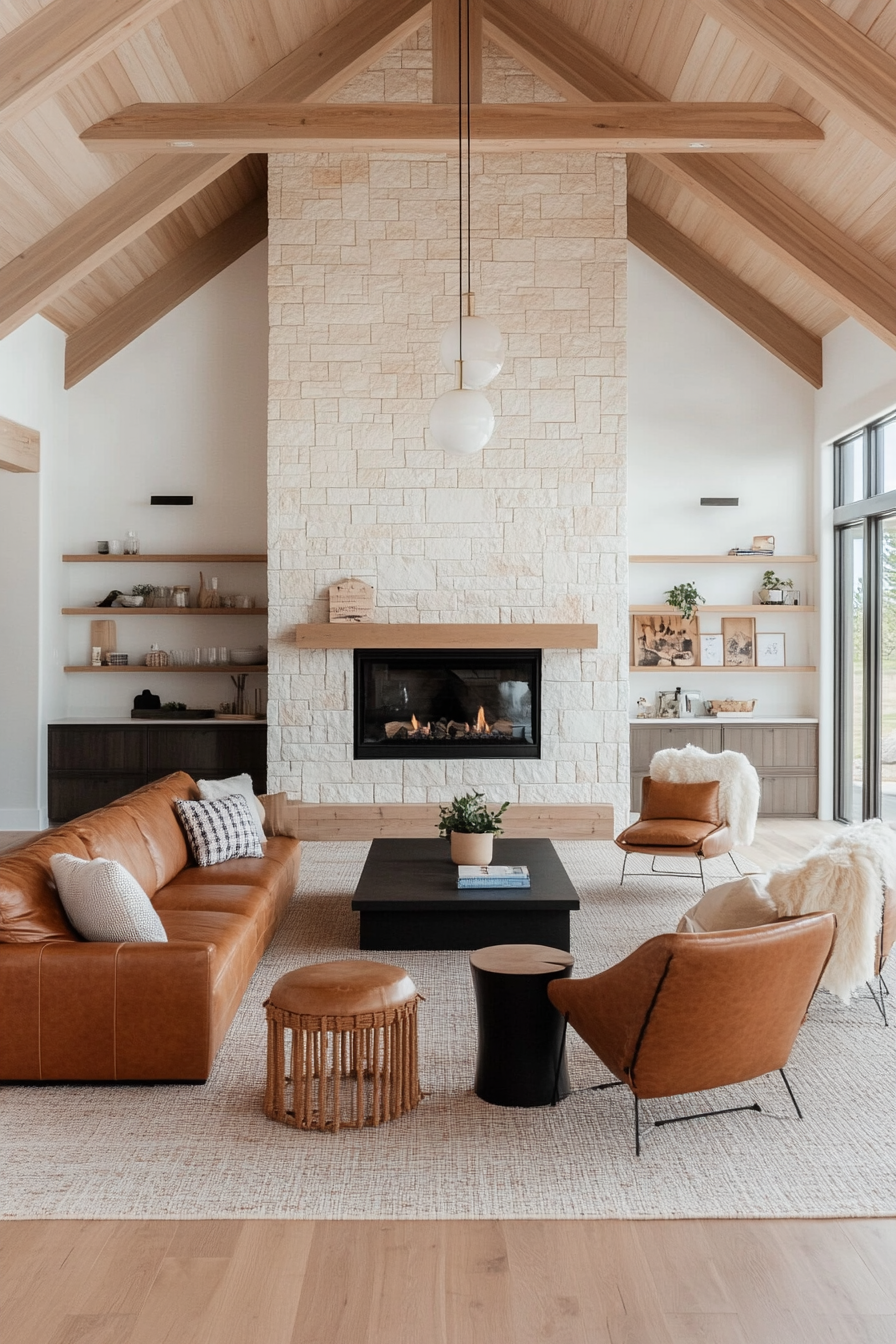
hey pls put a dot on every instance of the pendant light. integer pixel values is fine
(462, 420)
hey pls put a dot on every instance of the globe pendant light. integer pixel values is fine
(462, 420)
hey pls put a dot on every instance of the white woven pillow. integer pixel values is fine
(220, 830)
(212, 789)
(104, 902)
(741, 904)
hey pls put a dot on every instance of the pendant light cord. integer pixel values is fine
(460, 188)
(469, 178)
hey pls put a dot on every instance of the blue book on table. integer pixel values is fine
(492, 875)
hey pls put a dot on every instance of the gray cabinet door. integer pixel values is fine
(790, 746)
(788, 795)
(646, 741)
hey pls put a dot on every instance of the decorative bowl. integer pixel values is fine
(129, 600)
(249, 657)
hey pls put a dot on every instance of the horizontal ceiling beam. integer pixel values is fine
(19, 447)
(775, 217)
(134, 204)
(91, 345)
(43, 54)
(754, 314)
(824, 54)
(177, 128)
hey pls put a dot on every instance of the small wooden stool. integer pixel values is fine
(353, 1056)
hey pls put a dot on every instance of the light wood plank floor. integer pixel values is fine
(255, 1282)
(449, 1282)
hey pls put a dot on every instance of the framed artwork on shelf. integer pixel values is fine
(667, 705)
(739, 638)
(770, 649)
(664, 640)
(712, 651)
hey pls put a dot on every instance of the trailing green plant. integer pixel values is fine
(174, 704)
(142, 590)
(470, 815)
(771, 581)
(684, 597)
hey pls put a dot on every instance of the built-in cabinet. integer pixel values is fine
(784, 753)
(91, 764)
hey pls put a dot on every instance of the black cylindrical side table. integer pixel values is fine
(520, 1030)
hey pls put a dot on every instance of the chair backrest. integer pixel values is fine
(686, 802)
(687, 1012)
(739, 789)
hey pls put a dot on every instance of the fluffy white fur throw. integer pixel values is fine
(846, 873)
(738, 783)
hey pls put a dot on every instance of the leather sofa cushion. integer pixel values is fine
(667, 833)
(691, 802)
(279, 851)
(227, 898)
(30, 909)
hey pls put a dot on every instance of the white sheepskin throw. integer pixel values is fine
(738, 783)
(846, 873)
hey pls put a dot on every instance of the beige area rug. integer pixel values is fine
(209, 1152)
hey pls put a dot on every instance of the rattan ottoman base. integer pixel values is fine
(342, 1069)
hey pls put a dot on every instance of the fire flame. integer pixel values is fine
(481, 725)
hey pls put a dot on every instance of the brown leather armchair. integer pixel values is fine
(687, 1012)
(678, 821)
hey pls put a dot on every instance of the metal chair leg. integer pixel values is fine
(879, 997)
(637, 1131)
(702, 874)
(624, 862)
(734, 861)
(790, 1091)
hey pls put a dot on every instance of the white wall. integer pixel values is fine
(31, 373)
(713, 413)
(181, 410)
(859, 386)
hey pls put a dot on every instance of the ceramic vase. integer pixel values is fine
(469, 848)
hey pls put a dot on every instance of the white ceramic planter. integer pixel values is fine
(466, 848)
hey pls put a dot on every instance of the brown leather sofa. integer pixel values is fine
(103, 1012)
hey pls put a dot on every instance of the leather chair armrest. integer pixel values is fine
(609, 1010)
(98, 1012)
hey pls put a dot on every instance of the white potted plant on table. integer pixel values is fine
(471, 827)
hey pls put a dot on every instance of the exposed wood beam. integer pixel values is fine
(754, 314)
(612, 127)
(19, 447)
(827, 57)
(445, 54)
(90, 346)
(41, 55)
(775, 217)
(126, 210)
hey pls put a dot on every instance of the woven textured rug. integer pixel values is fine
(209, 1152)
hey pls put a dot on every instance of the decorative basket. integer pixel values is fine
(157, 658)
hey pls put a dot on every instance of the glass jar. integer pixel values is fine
(131, 543)
(180, 595)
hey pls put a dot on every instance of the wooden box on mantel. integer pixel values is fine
(351, 602)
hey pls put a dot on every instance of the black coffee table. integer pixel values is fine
(409, 900)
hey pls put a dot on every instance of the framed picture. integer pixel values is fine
(765, 543)
(712, 651)
(739, 637)
(769, 649)
(667, 706)
(664, 640)
(791, 597)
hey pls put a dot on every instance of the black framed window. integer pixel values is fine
(865, 623)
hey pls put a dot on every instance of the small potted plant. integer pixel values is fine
(684, 598)
(771, 593)
(471, 827)
(141, 595)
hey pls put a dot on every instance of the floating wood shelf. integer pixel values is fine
(165, 611)
(151, 671)
(722, 559)
(370, 635)
(698, 667)
(165, 559)
(659, 607)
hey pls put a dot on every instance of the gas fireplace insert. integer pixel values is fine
(447, 703)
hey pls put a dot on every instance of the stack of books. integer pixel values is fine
(491, 875)
(749, 550)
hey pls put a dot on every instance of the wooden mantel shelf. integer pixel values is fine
(371, 635)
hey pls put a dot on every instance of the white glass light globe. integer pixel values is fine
(462, 420)
(483, 350)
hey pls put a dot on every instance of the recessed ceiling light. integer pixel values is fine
(188, 144)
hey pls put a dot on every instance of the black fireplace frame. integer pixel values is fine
(423, 751)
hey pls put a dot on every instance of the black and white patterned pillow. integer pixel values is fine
(220, 830)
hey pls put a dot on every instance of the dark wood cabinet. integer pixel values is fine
(93, 764)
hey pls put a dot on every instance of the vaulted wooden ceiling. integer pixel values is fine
(786, 243)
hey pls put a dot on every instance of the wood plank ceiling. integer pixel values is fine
(817, 242)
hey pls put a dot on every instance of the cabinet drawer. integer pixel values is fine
(788, 747)
(71, 796)
(788, 795)
(96, 748)
(645, 742)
